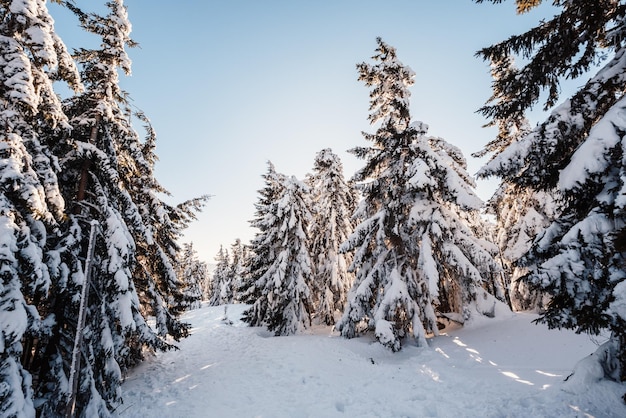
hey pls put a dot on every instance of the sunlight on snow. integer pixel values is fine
(430, 372)
(517, 378)
(180, 379)
(477, 358)
(440, 351)
(510, 374)
(548, 374)
(207, 366)
(458, 342)
(305, 379)
(577, 409)
(474, 353)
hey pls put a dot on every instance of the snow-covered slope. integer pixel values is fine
(503, 367)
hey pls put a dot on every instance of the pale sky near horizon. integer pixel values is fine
(231, 84)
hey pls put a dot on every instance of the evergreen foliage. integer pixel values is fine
(105, 155)
(193, 273)
(221, 285)
(239, 256)
(260, 248)
(413, 252)
(284, 304)
(333, 201)
(577, 151)
(419, 251)
(31, 206)
(62, 166)
(521, 213)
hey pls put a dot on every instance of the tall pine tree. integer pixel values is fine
(260, 248)
(413, 253)
(31, 206)
(193, 274)
(521, 213)
(221, 284)
(578, 151)
(239, 254)
(284, 304)
(333, 201)
(107, 175)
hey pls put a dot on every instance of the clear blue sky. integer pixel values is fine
(231, 84)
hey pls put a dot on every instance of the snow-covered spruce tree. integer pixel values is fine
(133, 267)
(32, 56)
(239, 256)
(157, 250)
(221, 285)
(260, 248)
(193, 274)
(284, 305)
(577, 150)
(413, 253)
(333, 201)
(521, 213)
(480, 230)
(207, 282)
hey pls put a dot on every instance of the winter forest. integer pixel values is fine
(95, 278)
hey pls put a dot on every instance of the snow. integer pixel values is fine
(501, 367)
(593, 155)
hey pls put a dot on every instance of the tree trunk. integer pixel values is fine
(84, 174)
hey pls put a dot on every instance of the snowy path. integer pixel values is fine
(499, 368)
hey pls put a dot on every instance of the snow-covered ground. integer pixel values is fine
(502, 367)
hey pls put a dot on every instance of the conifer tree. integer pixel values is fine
(193, 274)
(577, 151)
(260, 248)
(413, 253)
(221, 286)
(284, 305)
(475, 238)
(107, 175)
(521, 213)
(157, 248)
(32, 56)
(91, 160)
(333, 202)
(207, 282)
(239, 256)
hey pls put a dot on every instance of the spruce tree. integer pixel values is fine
(333, 201)
(91, 166)
(32, 56)
(260, 248)
(157, 246)
(239, 256)
(284, 304)
(193, 274)
(107, 175)
(521, 213)
(577, 151)
(413, 253)
(221, 289)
